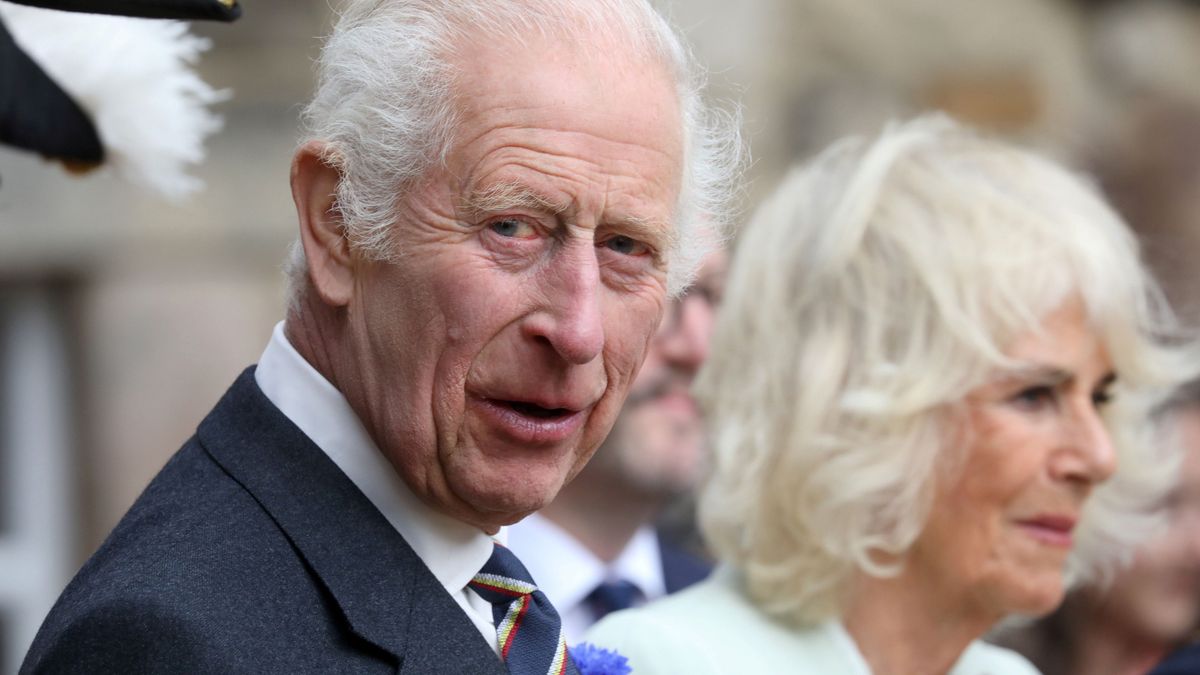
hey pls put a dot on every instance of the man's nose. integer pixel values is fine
(686, 334)
(570, 320)
(1089, 455)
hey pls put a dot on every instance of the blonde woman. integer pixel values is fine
(929, 393)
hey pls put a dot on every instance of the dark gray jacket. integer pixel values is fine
(252, 552)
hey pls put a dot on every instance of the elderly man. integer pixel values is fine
(493, 209)
(595, 549)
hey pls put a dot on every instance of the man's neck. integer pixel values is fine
(307, 338)
(600, 515)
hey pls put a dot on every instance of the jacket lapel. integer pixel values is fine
(386, 594)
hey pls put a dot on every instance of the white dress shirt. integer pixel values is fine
(453, 551)
(566, 571)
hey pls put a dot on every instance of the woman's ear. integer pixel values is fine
(322, 231)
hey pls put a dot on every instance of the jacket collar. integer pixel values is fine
(382, 588)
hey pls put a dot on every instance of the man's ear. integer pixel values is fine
(322, 231)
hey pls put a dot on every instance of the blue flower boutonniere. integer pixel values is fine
(592, 660)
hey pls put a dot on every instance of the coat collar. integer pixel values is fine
(384, 591)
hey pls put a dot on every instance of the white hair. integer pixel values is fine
(876, 287)
(384, 106)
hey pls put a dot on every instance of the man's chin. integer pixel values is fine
(491, 521)
(490, 507)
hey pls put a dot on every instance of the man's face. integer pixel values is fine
(657, 444)
(496, 353)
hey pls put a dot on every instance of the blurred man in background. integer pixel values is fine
(595, 548)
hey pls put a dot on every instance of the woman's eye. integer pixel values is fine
(1035, 396)
(512, 228)
(626, 246)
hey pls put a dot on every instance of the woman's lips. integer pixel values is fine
(527, 423)
(1051, 530)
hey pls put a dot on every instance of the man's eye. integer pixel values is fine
(512, 228)
(626, 246)
(1102, 397)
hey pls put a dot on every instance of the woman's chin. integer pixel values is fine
(1039, 600)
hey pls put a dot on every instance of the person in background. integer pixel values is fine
(495, 201)
(1156, 607)
(930, 381)
(595, 548)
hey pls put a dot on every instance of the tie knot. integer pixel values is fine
(612, 596)
(528, 632)
(502, 578)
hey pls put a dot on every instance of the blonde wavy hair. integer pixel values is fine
(877, 286)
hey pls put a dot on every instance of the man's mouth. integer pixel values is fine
(534, 410)
(527, 423)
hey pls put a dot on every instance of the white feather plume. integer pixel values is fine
(135, 79)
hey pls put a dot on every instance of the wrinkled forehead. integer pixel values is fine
(606, 39)
(495, 79)
(547, 104)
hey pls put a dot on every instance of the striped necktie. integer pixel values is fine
(528, 630)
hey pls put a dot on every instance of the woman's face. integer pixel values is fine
(1000, 531)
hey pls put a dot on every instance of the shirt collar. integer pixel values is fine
(452, 550)
(566, 571)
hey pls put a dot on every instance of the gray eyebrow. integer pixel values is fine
(506, 196)
(513, 195)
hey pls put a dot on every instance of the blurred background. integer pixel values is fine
(123, 316)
